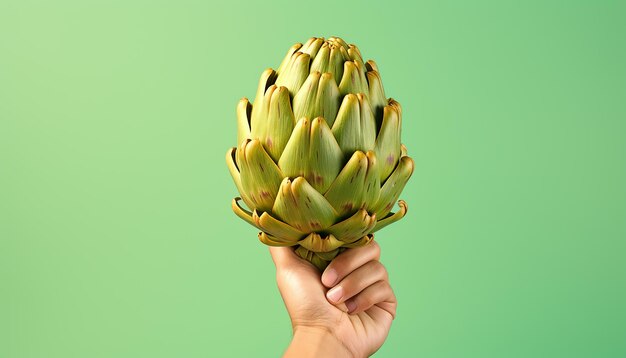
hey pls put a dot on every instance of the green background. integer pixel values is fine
(116, 235)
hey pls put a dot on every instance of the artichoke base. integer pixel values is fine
(322, 259)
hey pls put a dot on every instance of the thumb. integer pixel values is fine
(285, 257)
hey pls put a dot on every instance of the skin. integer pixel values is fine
(347, 312)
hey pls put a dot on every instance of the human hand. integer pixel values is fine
(346, 312)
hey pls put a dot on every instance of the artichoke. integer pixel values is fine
(319, 163)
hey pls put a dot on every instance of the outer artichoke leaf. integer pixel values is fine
(315, 242)
(258, 122)
(338, 41)
(295, 72)
(392, 217)
(321, 60)
(371, 65)
(287, 59)
(305, 253)
(347, 126)
(351, 82)
(319, 260)
(403, 151)
(325, 156)
(302, 207)
(388, 142)
(346, 193)
(343, 49)
(354, 227)
(304, 101)
(308, 43)
(277, 228)
(312, 46)
(371, 187)
(312, 152)
(376, 96)
(311, 257)
(243, 213)
(234, 172)
(354, 53)
(328, 256)
(274, 241)
(392, 188)
(232, 167)
(244, 109)
(327, 101)
(336, 61)
(293, 161)
(318, 97)
(355, 127)
(368, 123)
(260, 177)
(280, 123)
(360, 242)
(362, 76)
(268, 77)
(395, 104)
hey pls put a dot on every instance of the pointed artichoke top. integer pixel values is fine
(319, 74)
(324, 55)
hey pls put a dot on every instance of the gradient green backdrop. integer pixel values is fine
(116, 235)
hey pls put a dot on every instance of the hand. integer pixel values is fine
(346, 312)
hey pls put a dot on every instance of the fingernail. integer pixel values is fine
(330, 276)
(351, 306)
(335, 293)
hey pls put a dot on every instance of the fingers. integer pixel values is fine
(379, 294)
(363, 288)
(348, 261)
(357, 281)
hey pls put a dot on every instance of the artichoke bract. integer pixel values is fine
(319, 164)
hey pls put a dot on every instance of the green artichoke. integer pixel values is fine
(319, 163)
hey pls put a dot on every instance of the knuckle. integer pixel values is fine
(341, 270)
(336, 264)
(377, 269)
(382, 272)
(366, 301)
(342, 261)
(375, 250)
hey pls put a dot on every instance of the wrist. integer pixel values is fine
(315, 342)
